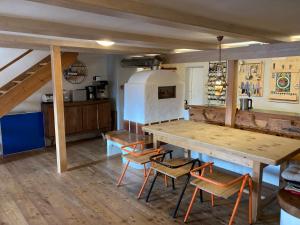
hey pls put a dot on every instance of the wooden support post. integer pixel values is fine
(231, 97)
(59, 119)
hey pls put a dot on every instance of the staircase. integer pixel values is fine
(28, 82)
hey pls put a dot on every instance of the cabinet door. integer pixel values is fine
(89, 114)
(73, 119)
(104, 115)
(49, 121)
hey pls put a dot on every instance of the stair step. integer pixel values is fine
(2, 92)
(23, 76)
(8, 86)
(43, 63)
(17, 81)
(30, 72)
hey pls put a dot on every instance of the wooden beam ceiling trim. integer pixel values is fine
(164, 16)
(44, 43)
(24, 25)
(251, 52)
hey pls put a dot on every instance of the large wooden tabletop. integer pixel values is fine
(251, 149)
(264, 148)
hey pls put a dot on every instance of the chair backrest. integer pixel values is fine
(201, 169)
(138, 149)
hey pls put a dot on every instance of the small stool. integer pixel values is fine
(290, 208)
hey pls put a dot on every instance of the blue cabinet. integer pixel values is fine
(22, 132)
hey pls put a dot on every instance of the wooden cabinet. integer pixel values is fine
(73, 119)
(104, 111)
(90, 117)
(80, 117)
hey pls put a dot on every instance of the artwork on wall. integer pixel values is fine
(251, 79)
(284, 82)
(212, 76)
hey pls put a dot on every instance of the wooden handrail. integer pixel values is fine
(16, 59)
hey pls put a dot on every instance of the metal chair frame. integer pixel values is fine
(159, 159)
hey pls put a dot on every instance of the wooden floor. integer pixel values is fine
(31, 192)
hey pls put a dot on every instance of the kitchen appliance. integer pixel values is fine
(47, 98)
(79, 95)
(102, 89)
(91, 92)
(245, 103)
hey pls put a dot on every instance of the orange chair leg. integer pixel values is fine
(237, 202)
(145, 170)
(144, 184)
(123, 173)
(191, 205)
(250, 201)
(212, 200)
(166, 181)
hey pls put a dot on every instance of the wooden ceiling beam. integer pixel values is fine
(33, 42)
(164, 16)
(25, 25)
(250, 52)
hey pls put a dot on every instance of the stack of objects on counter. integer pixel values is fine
(292, 177)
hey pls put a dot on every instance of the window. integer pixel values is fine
(166, 92)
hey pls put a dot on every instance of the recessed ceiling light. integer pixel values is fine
(242, 44)
(152, 54)
(106, 43)
(184, 50)
(295, 38)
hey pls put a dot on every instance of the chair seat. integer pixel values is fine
(221, 177)
(143, 159)
(174, 173)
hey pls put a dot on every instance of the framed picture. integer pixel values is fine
(251, 79)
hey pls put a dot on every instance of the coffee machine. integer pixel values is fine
(91, 92)
(102, 89)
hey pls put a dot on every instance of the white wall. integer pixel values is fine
(258, 102)
(96, 63)
(118, 76)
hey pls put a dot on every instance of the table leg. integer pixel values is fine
(187, 153)
(156, 143)
(282, 182)
(256, 195)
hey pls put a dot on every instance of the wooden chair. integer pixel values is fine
(173, 168)
(136, 153)
(222, 185)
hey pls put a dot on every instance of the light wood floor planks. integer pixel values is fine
(32, 193)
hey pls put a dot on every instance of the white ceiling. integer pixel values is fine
(274, 15)
(69, 16)
(270, 15)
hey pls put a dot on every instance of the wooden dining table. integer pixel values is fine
(246, 148)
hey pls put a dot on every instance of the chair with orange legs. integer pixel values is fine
(136, 153)
(220, 184)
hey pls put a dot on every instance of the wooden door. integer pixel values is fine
(90, 117)
(104, 115)
(73, 119)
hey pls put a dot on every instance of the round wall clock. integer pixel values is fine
(76, 73)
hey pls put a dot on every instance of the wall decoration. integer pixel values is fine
(284, 82)
(251, 79)
(212, 76)
(76, 73)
